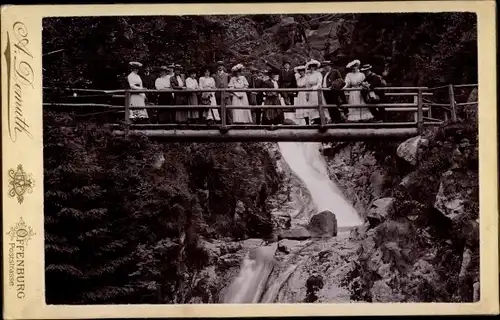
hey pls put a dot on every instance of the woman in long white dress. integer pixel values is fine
(136, 99)
(208, 98)
(314, 80)
(238, 81)
(354, 79)
(301, 114)
(192, 84)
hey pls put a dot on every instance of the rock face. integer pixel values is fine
(456, 189)
(380, 210)
(323, 224)
(410, 149)
(297, 233)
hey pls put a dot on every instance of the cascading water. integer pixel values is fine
(306, 162)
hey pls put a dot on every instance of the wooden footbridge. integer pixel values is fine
(425, 113)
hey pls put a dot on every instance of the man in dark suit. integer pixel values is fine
(332, 79)
(255, 98)
(221, 81)
(287, 80)
(374, 96)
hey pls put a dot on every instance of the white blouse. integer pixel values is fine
(301, 82)
(134, 81)
(207, 83)
(191, 83)
(354, 79)
(314, 80)
(162, 83)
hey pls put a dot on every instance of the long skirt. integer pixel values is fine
(181, 115)
(241, 115)
(358, 114)
(272, 116)
(166, 115)
(193, 100)
(312, 99)
(138, 100)
(213, 113)
(300, 100)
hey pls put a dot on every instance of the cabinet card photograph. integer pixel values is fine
(234, 160)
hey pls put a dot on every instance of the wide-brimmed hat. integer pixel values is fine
(171, 66)
(326, 63)
(237, 67)
(163, 68)
(220, 62)
(353, 63)
(365, 67)
(299, 68)
(177, 67)
(135, 64)
(313, 63)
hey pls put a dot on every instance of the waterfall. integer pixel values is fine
(306, 161)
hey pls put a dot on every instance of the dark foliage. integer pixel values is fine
(118, 230)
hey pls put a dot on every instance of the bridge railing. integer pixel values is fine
(416, 106)
(421, 107)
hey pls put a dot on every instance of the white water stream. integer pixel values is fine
(308, 164)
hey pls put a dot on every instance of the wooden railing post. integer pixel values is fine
(321, 111)
(127, 112)
(223, 112)
(420, 112)
(452, 104)
(415, 101)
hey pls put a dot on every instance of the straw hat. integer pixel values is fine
(365, 67)
(299, 68)
(353, 63)
(313, 63)
(237, 67)
(327, 63)
(135, 64)
(220, 62)
(164, 68)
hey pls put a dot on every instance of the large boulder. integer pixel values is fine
(409, 150)
(380, 210)
(323, 224)
(326, 33)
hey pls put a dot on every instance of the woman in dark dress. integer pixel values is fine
(272, 116)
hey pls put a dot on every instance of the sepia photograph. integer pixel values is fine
(261, 158)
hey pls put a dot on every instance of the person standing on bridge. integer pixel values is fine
(255, 98)
(314, 81)
(166, 98)
(354, 79)
(287, 81)
(177, 83)
(332, 79)
(301, 114)
(137, 99)
(194, 115)
(238, 81)
(208, 98)
(221, 82)
(272, 116)
(371, 96)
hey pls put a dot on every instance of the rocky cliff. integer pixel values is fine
(421, 239)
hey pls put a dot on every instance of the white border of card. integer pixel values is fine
(23, 24)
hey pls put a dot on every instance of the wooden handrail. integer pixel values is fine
(137, 91)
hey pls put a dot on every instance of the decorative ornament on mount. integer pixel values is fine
(20, 183)
(21, 231)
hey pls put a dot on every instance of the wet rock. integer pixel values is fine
(287, 246)
(323, 224)
(298, 233)
(409, 150)
(380, 210)
(381, 291)
(281, 220)
(314, 283)
(409, 180)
